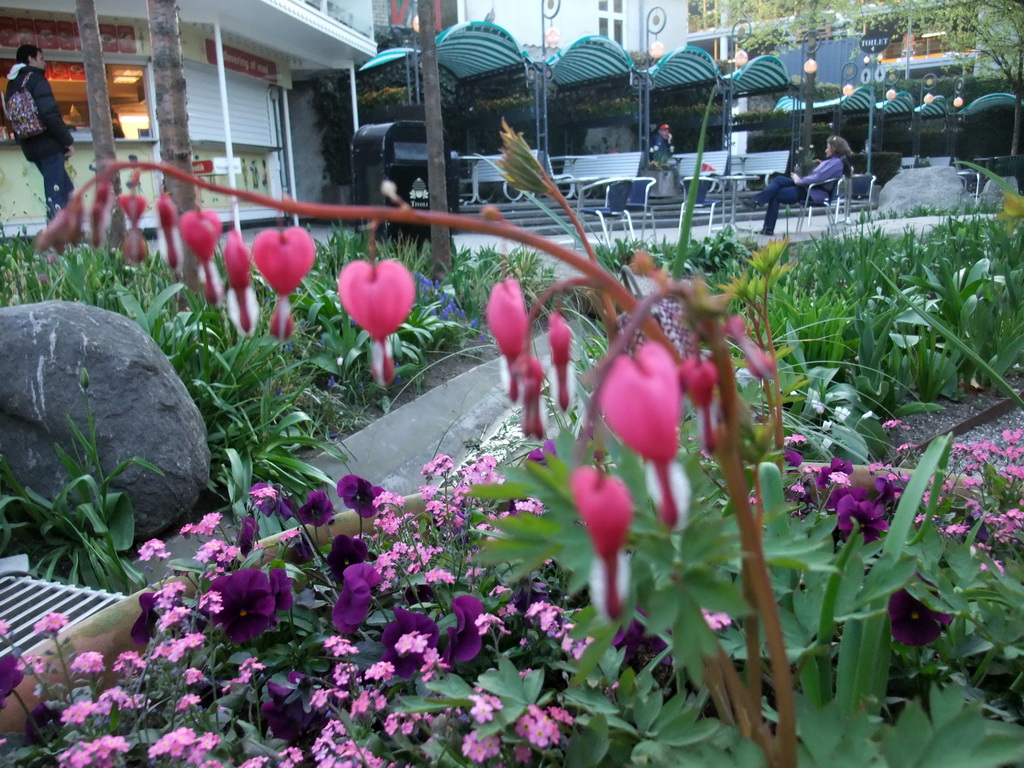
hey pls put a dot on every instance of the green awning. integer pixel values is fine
(593, 57)
(858, 101)
(936, 109)
(476, 48)
(385, 57)
(684, 66)
(760, 75)
(988, 101)
(903, 104)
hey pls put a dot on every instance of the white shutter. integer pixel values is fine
(249, 106)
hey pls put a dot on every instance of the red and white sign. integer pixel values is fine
(243, 61)
(202, 167)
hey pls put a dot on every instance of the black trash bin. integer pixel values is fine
(398, 152)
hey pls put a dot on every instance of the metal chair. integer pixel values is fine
(616, 197)
(857, 188)
(714, 185)
(638, 201)
(829, 204)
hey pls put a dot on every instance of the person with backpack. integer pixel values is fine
(44, 138)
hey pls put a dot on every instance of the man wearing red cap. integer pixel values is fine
(661, 144)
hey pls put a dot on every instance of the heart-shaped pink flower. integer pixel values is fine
(133, 206)
(284, 257)
(169, 235)
(377, 296)
(200, 230)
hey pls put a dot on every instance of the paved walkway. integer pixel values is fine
(448, 418)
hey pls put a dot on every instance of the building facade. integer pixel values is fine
(241, 62)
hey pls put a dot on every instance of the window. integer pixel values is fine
(611, 17)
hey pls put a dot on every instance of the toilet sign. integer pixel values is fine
(875, 42)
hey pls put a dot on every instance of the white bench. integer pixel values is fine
(485, 171)
(586, 168)
(764, 163)
(717, 159)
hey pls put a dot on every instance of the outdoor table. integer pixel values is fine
(732, 183)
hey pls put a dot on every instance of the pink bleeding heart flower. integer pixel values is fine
(698, 379)
(200, 230)
(606, 506)
(283, 257)
(530, 373)
(642, 403)
(378, 297)
(242, 307)
(133, 206)
(168, 236)
(758, 361)
(99, 215)
(560, 337)
(510, 324)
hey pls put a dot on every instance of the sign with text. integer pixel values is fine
(874, 42)
(220, 165)
(244, 62)
(202, 167)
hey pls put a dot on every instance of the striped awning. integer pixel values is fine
(593, 57)
(903, 104)
(936, 109)
(988, 101)
(760, 75)
(684, 66)
(476, 48)
(858, 101)
(386, 57)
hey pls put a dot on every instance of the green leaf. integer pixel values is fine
(589, 746)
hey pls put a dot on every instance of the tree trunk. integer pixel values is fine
(440, 237)
(98, 95)
(1018, 115)
(171, 112)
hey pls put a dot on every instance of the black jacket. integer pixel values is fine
(56, 138)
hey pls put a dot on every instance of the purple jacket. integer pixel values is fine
(830, 169)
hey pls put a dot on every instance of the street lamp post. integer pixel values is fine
(810, 68)
(550, 38)
(740, 32)
(951, 118)
(924, 97)
(653, 25)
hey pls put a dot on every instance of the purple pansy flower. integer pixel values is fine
(793, 458)
(406, 662)
(344, 552)
(354, 600)
(887, 490)
(540, 454)
(868, 515)
(464, 638)
(248, 603)
(270, 500)
(634, 637)
(281, 588)
(10, 676)
(317, 510)
(37, 720)
(247, 535)
(837, 465)
(358, 494)
(913, 622)
(142, 629)
(289, 713)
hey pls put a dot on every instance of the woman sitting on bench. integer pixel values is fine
(786, 190)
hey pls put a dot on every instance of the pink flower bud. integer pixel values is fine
(606, 506)
(169, 236)
(758, 361)
(282, 325)
(378, 296)
(508, 319)
(133, 206)
(284, 257)
(200, 230)
(699, 379)
(134, 248)
(640, 400)
(530, 374)
(64, 229)
(99, 216)
(561, 343)
(241, 300)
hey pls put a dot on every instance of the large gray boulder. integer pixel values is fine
(140, 406)
(937, 188)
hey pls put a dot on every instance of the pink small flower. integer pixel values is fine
(153, 548)
(716, 621)
(339, 646)
(187, 701)
(173, 744)
(438, 575)
(129, 662)
(51, 623)
(480, 749)
(88, 663)
(5, 628)
(382, 671)
(484, 707)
